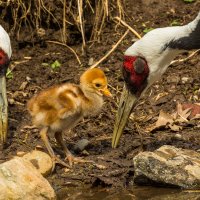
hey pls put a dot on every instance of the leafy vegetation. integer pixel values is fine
(175, 23)
(56, 64)
(146, 30)
(9, 74)
(189, 1)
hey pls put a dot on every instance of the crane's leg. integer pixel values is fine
(3, 110)
(55, 159)
(69, 156)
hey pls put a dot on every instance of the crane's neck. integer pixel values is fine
(191, 39)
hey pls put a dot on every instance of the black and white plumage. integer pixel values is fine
(147, 59)
(5, 55)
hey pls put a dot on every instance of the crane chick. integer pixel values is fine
(61, 107)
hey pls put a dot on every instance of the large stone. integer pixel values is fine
(42, 161)
(168, 165)
(20, 180)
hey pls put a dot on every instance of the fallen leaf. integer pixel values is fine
(183, 113)
(164, 119)
(195, 109)
(175, 127)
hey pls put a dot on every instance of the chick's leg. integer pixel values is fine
(69, 156)
(43, 134)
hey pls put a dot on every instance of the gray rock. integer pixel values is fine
(168, 165)
(81, 145)
(19, 179)
(42, 161)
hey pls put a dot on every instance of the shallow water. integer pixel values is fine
(135, 193)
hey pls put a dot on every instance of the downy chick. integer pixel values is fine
(61, 107)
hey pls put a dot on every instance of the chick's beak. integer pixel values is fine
(3, 110)
(106, 92)
(127, 102)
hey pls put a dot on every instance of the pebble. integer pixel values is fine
(187, 80)
(91, 61)
(178, 136)
(80, 145)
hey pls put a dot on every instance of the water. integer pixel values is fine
(135, 193)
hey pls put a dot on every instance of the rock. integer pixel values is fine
(178, 136)
(42, 161)
(173, 79)
(91, 61)
(80, 145)
(168, 165)
(19, 179)
(187, 80)
(21, 153)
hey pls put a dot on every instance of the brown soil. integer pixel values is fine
(98, 130)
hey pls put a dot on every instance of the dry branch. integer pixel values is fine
(64, 22)
(129, 27)
(187, 58)
(62, 44)
(80, 12)
(114, 47)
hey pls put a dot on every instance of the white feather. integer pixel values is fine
(5, 44)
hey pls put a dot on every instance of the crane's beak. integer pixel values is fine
(127, 102)
(3, 110)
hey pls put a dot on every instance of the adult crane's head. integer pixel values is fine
(146, 60)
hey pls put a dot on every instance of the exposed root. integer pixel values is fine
(129, 27)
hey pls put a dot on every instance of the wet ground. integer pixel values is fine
(134, 193)
(32, 71)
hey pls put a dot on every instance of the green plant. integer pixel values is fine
(189, 1)
(175, 23)
(55, 65)
(146, 30)
(9, 74)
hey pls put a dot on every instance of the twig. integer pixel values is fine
(184, 59)
(80, 11)
(59, 43)
(64, 21)
(114, 47)
(130, 28)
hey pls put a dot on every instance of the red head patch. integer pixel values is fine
(4, 62)
(135, 72)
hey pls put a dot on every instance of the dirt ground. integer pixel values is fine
(115, 167)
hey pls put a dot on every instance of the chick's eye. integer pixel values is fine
(98, 85)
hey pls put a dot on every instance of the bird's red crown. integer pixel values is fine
(135, 71)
